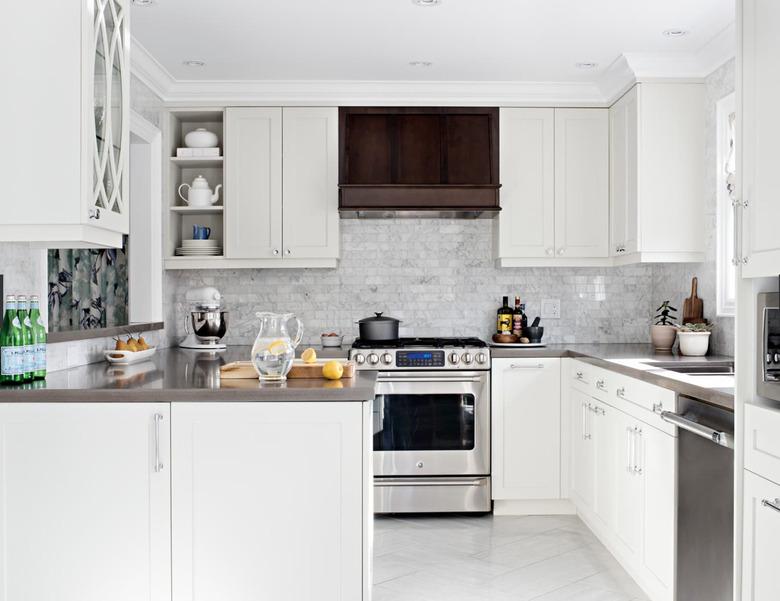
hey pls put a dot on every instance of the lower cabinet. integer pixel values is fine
(761, 531)
(268, 501)
(526, 431)
(623, 474)
(85, 500)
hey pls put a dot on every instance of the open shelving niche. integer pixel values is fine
(182, 170)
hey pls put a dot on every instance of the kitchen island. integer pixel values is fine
(159, 481)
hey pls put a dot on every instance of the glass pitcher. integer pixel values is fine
(274, 350)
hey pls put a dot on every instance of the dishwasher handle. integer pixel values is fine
(723, 439)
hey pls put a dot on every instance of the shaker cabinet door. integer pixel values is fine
(581, 183)
(310, 183)
(253, 183)
(527, 220)
(760, 97)
(761, 531)
(623, 173)
(85, 500)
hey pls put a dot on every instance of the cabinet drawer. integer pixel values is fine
(762, 445)
(592, 380)
(645, 395)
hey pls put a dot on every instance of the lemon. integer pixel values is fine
(309, 355)
(277, 347)
(332, 370)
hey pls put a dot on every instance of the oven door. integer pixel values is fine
(432, 424)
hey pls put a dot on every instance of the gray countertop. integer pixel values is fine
(636, 360)
(181, 375)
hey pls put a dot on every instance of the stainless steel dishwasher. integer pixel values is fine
(705, 500)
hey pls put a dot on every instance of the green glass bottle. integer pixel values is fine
(39, 339)
(11, 345)
(28, 352)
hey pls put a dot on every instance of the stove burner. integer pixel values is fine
(420, 342)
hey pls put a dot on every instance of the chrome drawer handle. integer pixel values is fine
(621, 392)
(771, 504)
(601, 384)
(580, 375)
(158, 466)
(518, 366)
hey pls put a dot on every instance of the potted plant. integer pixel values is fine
(664, 331)
(694, 339)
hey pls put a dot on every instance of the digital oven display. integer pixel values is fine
(419, 359)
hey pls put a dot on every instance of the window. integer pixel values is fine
(726, 116)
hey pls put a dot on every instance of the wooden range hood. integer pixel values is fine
(420, 161)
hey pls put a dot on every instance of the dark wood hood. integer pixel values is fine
(420, 160)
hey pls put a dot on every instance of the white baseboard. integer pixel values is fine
(534, 507)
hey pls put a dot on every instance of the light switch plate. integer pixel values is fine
(551, 308)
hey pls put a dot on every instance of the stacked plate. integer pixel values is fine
(199, 248)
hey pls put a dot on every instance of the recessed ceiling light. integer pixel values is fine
(586, 65)
(143, 2)
(194, 63)
(676, 33)
(426, 2)
(420, 63)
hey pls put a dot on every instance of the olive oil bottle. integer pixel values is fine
(504, 318)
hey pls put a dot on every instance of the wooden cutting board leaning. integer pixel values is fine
(244, 370)
(693, 306)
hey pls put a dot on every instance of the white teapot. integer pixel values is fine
(200, 195)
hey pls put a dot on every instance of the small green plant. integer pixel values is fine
(666, 316)
(695, 327)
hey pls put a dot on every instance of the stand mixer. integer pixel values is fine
(207, 323)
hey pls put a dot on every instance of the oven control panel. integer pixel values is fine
(419, 358)
(457, 358)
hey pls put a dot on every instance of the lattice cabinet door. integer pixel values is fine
(107, 135)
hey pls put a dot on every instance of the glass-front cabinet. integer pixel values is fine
(107, 204)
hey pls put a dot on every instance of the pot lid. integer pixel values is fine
(378, 318)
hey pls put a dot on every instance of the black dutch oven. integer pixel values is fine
(378, 328)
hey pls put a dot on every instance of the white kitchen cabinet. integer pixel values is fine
(526, 429)
(759, 95)
(74, 117)
(281, 188)
(583, 459)
(581, 183)
(555, 187)
(253, 183)
(761, 531)
(657, 174)
(269, 501)
(629, 500)
(526, 226)
(604, 425)
(310, 224)
(85, 500)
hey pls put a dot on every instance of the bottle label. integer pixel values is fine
(517, 324)
(28, 359)
(504, 323)
(40, 356)
(11, 360)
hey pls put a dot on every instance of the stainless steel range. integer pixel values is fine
(431, 423)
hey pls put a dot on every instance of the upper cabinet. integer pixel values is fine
(279, 203)
(758, 96)
(77, 114)
(657, 174)
(555, 187)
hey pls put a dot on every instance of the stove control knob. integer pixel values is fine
(387, 358)
(454, 358)
(481, 358)
(466, 358)
(373, 358)
(776, 358)
(359, 359)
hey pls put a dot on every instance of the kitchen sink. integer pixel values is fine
(720, 368)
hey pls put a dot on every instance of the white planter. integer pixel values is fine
(694, 344)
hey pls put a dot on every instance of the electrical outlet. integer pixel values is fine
(551, 308)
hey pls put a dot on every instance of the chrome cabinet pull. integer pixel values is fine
(520, 366)
(637, 450)
(629, 448)
(580, 375)
(601, 384)
(621, 392)
(94, 213)
(158, 466)
(276, 251)
(288, 252)
(587, 420)
(771, 504)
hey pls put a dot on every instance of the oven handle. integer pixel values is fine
(427, 482)
(430, 379)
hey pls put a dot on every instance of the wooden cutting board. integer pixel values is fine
(244, 370)
(693, 306)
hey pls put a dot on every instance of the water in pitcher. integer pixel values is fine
(274, 351)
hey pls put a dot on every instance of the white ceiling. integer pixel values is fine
(374, 40)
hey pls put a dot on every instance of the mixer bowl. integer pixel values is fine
(209, 326)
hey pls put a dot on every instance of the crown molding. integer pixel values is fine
(617, 78)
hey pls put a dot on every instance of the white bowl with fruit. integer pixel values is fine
(132, 350)
(331, 339)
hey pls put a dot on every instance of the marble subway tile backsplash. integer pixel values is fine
(437, 276)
